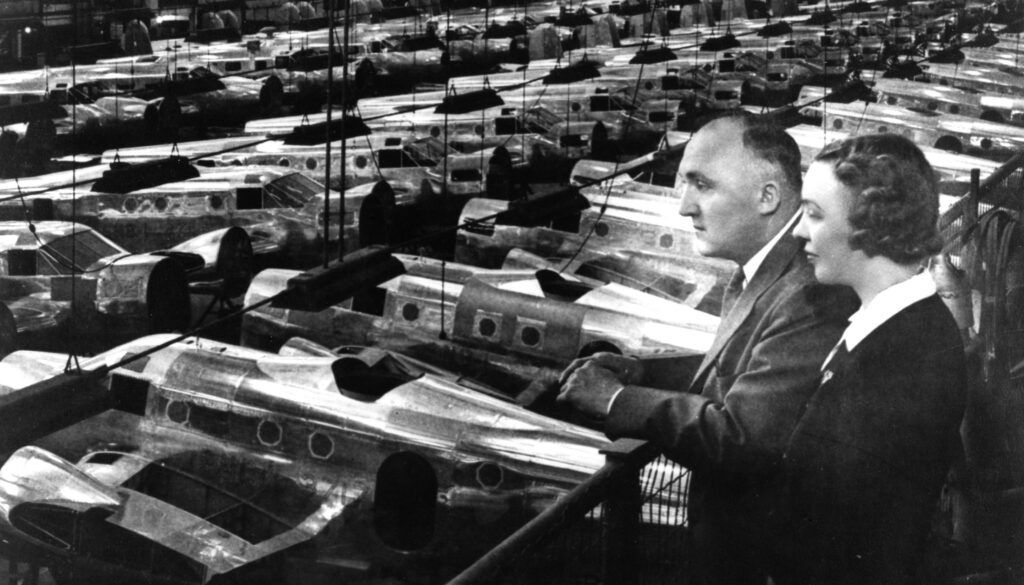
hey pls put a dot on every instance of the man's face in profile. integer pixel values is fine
(720, 183)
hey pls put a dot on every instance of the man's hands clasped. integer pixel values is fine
(590, 383)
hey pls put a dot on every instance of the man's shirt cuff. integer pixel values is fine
(611, 401)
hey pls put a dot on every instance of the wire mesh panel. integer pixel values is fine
(663, 553)
(1004, 188)
(984, 236)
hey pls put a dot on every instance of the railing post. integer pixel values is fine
(971, 210)
(621, 517)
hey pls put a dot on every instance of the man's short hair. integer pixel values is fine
(770, 142)
(895, 207)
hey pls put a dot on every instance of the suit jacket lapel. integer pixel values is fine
(774, 266)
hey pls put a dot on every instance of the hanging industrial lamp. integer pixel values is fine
(579, 71)
(472, 101)
(347, 127)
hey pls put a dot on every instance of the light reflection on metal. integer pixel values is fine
(524, 325)
(201, 401)
(116, 295)
(638, 240)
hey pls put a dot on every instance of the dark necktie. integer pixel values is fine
(732, 291)
(838, 354)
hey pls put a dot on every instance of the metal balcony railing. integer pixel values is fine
(624, 524)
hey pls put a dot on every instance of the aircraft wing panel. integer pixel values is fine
(23, 368)
(222, 530)
(210, 545)
(616, 297)
(481, 427)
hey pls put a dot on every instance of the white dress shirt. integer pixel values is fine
(885, 305)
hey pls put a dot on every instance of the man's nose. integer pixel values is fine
(687, 203)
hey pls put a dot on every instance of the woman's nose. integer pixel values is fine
(801, 230)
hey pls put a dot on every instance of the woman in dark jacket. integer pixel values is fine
(865, 464)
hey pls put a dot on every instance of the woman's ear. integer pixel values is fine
(769, 199)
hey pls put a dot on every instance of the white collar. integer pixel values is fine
(885, 305)
(755, 262)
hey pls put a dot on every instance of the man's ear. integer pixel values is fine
(769, 199)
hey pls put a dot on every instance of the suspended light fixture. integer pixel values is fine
(649, 56)
(124, 178)
(856, 7)
(320, 287)
(902, 69)
(820, 17)
(949, 54)
(472, 101)
(537, 210)
(581, 17)
(775, 29)
(579, 71)
(347, 127)
(852, 91)
(986, 38)
(722, 43)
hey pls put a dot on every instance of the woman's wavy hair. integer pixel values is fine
(895, 209)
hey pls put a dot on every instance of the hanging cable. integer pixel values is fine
(264, 302)
(72, 361)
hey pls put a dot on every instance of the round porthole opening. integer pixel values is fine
(269, 433)
(410, 312)
(321, 446)
(177, 412)
(487, 327)
(530, 336)
(489, 476)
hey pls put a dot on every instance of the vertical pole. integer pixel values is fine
(974, 198)
(621, 524)
(327, 144)
(344, 139)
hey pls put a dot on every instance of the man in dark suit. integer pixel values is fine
(740, 184)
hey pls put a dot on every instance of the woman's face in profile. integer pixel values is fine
(826, 205)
